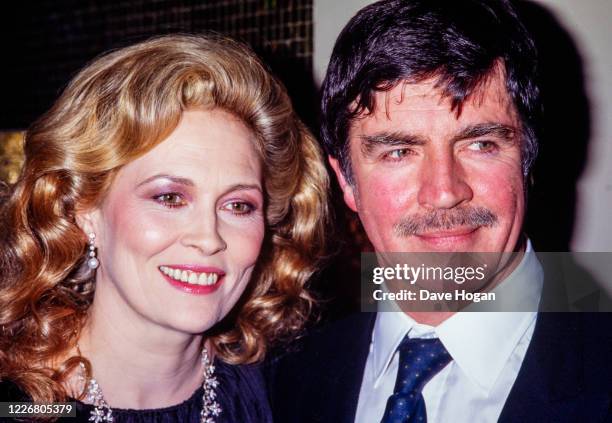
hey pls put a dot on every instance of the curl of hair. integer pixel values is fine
(117, 108)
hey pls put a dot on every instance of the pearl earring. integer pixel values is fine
(92, 262)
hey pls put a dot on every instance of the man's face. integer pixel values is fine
(427, 179)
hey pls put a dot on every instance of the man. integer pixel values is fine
(430, 118)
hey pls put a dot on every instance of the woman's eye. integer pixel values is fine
(482, 146)
(239, 207)
(171, 199)
(397, 154)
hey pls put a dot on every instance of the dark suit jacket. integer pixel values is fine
(566, 375)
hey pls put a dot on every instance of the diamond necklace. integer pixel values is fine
(103, 413)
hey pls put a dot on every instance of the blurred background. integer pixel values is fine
(44, 43)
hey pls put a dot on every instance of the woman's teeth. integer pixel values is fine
(190, 277)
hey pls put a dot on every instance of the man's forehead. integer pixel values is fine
(431, 94)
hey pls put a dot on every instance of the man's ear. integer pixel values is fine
(347, 189)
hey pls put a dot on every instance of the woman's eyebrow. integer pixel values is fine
(244, 187)
(190, 183)
(176, 179)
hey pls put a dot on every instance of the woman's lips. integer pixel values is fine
(193, 279)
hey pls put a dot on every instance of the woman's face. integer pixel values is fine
(181, 228)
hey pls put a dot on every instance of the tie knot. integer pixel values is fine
(419, 361)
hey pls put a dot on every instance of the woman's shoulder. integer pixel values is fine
(243, 390)
(243, 377)
(11, 392)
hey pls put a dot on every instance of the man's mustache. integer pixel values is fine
(444, 220)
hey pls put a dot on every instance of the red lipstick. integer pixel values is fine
(193, 288)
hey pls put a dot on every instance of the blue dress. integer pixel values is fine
(241, 394)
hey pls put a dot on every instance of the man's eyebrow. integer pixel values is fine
(389, 139)
(498, 130)
(176, 179)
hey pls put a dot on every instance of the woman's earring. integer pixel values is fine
(92, 262)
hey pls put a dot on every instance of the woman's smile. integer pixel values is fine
(191, 279)
(192, 276)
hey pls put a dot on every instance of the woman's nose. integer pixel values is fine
(203, 234)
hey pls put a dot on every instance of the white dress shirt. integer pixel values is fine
(487, 349)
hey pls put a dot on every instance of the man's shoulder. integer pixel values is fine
(318, 377)
(596, 323)
(597, 341)
(593, 330)
(332, 338)
(322, 350)
(582, 341)
(567, 373)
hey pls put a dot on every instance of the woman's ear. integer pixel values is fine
(89, 221)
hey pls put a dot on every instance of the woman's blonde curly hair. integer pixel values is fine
(116, 109)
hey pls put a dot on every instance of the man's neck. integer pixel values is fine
(433, 318)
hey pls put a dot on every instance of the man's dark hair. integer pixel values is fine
(458, 42)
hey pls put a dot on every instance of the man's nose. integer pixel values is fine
(203, 234)
(442, 182)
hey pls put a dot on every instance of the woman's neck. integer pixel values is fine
(139, 365)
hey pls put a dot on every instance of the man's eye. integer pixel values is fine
(397, 154)
(171, 199)
(482, 146)
(239, 207)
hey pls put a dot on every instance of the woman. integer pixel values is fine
(169, 212)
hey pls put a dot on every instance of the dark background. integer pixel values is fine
(44, 43)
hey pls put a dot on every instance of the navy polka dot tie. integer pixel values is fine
(419, 361)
